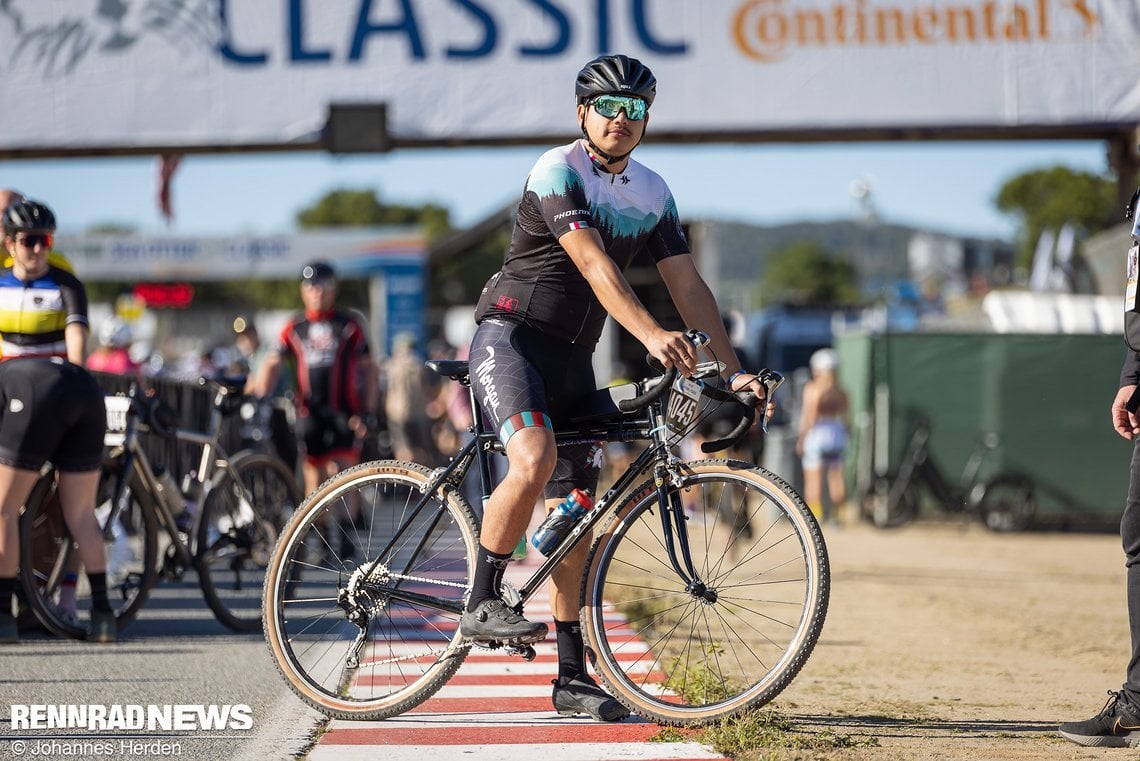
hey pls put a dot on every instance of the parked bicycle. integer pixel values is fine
(689, 618)
(223, 527)
(1006, 501)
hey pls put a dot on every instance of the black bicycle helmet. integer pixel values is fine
(26, 214)
(318, 271)
(615, 75)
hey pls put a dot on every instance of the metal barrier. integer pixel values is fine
(192, 401)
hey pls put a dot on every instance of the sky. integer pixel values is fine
(946, 187)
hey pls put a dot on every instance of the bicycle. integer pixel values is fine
(244, 501)
(1006, 501)
(687, 618)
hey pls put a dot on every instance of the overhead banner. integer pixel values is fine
(355, 252)
(93, 75)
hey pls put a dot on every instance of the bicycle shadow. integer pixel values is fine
(920, 727)
(173, 609)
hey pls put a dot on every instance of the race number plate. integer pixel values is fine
(684, 405)
(117, 408)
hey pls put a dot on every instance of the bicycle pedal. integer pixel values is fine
(487, 644)
(526, 651)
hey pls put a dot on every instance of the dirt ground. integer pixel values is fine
(946, 641)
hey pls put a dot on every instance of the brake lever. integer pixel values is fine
(771, 381)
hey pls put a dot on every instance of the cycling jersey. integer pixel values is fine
(34, 314)
(539, 284)
(327, 349)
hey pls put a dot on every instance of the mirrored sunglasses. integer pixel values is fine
(32, 239)
(610, 106)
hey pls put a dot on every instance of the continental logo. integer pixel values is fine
(771, 30)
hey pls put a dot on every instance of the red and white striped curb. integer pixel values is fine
(498, 707)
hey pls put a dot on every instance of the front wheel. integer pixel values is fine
(1008, 503)
(690, 653)
(365, 590)
(244, 512)
(50, 564)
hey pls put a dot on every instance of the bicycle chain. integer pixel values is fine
(404, 577)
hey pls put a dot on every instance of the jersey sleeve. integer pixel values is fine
(357, 333)
(560, 195)
(285, 340)
(667, 238)
(74, 296)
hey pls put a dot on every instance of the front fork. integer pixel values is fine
(674, 532)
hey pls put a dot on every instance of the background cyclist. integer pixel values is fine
(52, 409)
(337, 392)
(587, 209)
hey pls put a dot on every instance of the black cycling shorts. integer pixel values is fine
(524, 378)
(327, 436)
(50, 410)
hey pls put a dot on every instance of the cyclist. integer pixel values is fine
(337, 391)
(587, 209)
(52, 408)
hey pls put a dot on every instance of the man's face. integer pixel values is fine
(616, 134)
(318, 294)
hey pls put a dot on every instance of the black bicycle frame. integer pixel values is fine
(640, 428)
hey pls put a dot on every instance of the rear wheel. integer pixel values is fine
(888, 503)
(1009, 503)
(692, 653)
(243, 515)
(49, 557)
(369, 628)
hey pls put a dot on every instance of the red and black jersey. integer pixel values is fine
(327, 350)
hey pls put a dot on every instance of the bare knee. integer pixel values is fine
(531, 457)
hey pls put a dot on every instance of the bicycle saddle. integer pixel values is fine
(455, 369)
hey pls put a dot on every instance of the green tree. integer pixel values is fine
(341, 208)
(806, 273)
(1046, 199)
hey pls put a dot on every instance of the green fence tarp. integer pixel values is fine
(1046, 396)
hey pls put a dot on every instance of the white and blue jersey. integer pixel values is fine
(539, 285)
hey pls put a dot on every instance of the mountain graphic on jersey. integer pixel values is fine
(565, 192)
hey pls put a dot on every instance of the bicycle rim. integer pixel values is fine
(682, 657)
(240, 522)
(49, 556)
(324, 590)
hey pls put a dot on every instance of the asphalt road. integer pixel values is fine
(176, 654)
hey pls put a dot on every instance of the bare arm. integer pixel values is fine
(697, 305)
(267, 376)
(371, 376)
(75, 338)
(671, 348)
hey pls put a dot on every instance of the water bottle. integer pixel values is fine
(559, 523)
